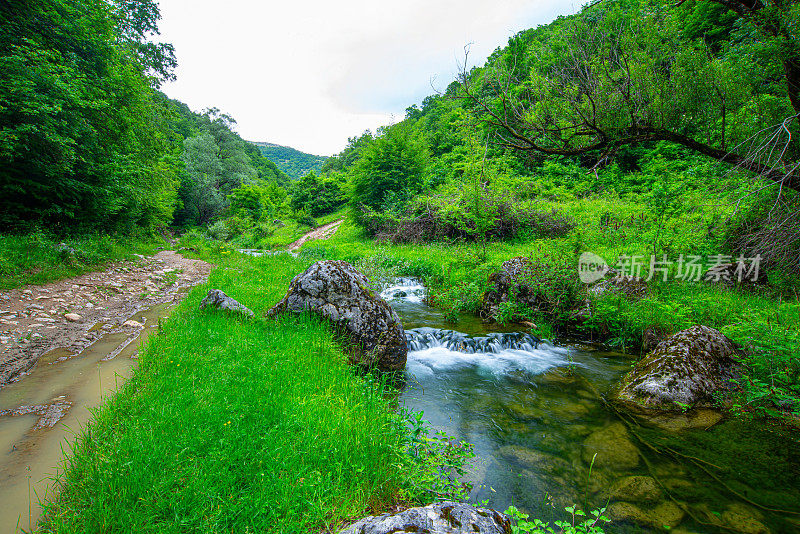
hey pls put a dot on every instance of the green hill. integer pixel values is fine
(294, 163)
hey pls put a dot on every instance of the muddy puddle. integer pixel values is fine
(40, 414)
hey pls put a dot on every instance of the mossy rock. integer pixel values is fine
(613, 447)
(684, 370)
(665, 514)
(339, 293)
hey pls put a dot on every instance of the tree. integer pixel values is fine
(392, 165)
(317, 196)
(620, 74)
(82, 138)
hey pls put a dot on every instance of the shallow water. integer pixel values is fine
(536, 419)
(30, 457)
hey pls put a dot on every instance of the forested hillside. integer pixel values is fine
(293, 162)
(87, 141)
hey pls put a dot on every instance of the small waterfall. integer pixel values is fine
(409, 290)
(433, 352)
(426, 338)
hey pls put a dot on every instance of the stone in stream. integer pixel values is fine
(665, 514)
(635, 489)
(342, 295)
(613, 447)
(219, 300)
(438, 518)
(72, 317)
(684, 370)
(516, 276)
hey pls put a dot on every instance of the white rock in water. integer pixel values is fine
(72, 317)
(133, 323)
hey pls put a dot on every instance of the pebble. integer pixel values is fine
(132, 323)
(46, 320)
(72, 317)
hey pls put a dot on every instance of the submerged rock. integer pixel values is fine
(635, 489)
(73, 317)
(665, 514)
(339, 293)
(685, 369)
(439, 518)
(698, 419)
(744, 519)
(219, 300)
(613, 447)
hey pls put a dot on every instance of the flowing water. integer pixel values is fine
(534, 413)
(33, 437)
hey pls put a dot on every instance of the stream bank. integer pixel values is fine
(67, 347)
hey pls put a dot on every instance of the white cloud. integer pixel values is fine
(310, 74)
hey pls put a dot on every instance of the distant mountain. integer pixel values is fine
(291, 161)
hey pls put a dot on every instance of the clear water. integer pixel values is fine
(534, 413)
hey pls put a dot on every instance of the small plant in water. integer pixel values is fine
(442, 459)
(577, 525)
(682, 406)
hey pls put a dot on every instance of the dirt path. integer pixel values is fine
(323, 232)
(72, 314)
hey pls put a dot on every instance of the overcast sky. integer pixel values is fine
(310, 74)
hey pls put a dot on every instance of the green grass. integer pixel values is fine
(237, 425)
(283, 237)
(37, 259)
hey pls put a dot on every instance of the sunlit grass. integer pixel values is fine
(236, 425)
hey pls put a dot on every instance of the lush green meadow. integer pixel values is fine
(238, 425)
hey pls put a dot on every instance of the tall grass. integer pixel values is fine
(38, 258)
(236, 425)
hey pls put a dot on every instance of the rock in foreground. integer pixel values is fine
(339, 293)
(219, 300)
(439, 518)
(685, 369)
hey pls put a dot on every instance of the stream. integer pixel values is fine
(534, 413)
(41, 414)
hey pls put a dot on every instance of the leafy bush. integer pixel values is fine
(227, 229)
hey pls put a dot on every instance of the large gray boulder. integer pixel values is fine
(439, 518)
(338, 292)
(685, 369)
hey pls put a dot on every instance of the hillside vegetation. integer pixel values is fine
(291, 161)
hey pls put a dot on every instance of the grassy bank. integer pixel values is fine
(237, 425)
(38, 258)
